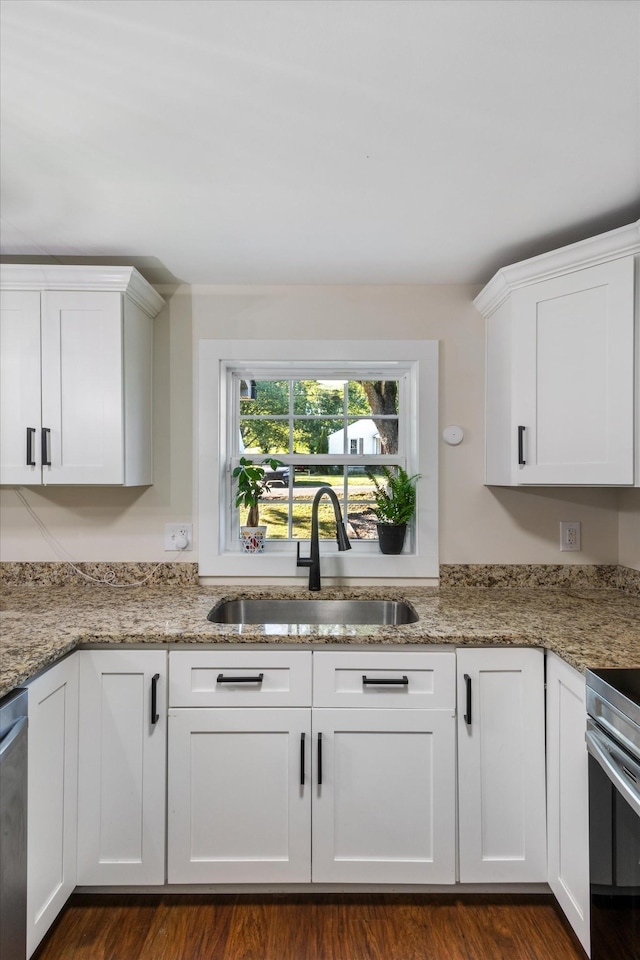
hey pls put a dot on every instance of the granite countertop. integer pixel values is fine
(587, 627)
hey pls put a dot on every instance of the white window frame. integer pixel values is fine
(415, 362)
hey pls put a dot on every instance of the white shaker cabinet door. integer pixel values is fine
(239, 796)
(53, 796)
(568, 794)
(122, 766)
(501, 765)
(573, 373)
(20, 411)
(82, 387)
(384, 796)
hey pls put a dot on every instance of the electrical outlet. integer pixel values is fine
(178, 536)
(570, 535)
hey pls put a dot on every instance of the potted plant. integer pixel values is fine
(250, 478)
(395, 506)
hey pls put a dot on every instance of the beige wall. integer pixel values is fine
(477, 524)
(629, 528)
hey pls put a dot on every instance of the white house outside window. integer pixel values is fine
(331, 412)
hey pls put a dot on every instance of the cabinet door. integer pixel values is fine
(384, 796)
(573, 339)
(501, 766)
(239, 795)
(121, 775)
(568, 794)
(20, 387)
(52, 791)
(82, 387)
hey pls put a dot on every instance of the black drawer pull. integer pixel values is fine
(319, 759)
(302, 736)
(155, 716)
(46, 447)
(31, 435)
(467, 716)
(521, 460)
(223, 679)
(395, 681)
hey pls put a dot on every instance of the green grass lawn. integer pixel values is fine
(275, 515)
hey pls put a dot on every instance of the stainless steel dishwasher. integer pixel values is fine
(13, 826)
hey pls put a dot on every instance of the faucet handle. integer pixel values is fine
(302, 561)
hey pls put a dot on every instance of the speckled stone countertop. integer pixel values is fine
(587, 626)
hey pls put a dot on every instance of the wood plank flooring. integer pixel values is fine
(310, 927)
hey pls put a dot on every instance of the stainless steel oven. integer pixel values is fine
(613, 742)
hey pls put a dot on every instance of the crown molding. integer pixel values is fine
(127, 280)
(623, 242)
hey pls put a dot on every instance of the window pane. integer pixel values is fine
(313, 398)
(307, 481)
(363, 437)
(357, 400)
(374, 436)
(270, 397)
(373, 397)
(326, 519)
(274, 512)
(318, 436)
(261, 437)
(360, 510)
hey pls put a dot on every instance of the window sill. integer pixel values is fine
(334, 565)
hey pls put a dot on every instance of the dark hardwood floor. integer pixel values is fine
(310, 927)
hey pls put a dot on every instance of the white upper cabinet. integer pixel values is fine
(76, 349)
(561, 348)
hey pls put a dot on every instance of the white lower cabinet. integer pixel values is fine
(292, 766)
(568, 794)
(501, 765)
(122, 767)
(384, 799)
(239, 804)
(239, 789)
(261, 793)
(52, 796)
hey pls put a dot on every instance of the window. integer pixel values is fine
(331, 412)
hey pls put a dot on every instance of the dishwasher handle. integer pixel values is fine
(13, 734)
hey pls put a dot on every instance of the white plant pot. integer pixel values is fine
(252, 539)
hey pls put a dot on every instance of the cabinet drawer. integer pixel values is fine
(240, 678)
(385, 679)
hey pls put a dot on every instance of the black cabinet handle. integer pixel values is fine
(31, 435)
(46, 442)
(155, 716)
(397, 681)
(302, 737)
(319, 759)
(521, 460)
(467, 716)
(223, 679)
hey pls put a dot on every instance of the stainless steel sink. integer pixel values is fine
(374, 612)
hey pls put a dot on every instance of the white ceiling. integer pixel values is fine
(316, 141)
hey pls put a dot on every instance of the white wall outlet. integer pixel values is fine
(178, 536)
(570, 535)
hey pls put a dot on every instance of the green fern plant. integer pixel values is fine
(396, 496)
